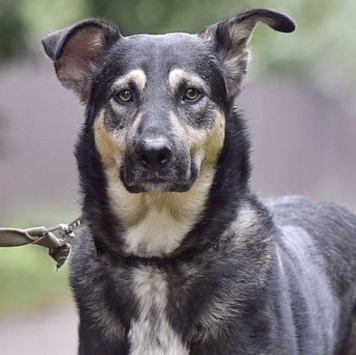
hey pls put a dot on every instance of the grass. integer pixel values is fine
(28, 280)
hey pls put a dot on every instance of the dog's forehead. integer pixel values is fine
(158, 54)
(168, 46)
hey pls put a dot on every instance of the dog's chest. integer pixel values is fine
(151, 333)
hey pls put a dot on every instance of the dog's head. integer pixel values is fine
(157, 103)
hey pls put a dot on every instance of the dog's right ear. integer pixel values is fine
(76, 51)
(230, 39)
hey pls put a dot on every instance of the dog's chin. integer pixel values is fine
(158, 186)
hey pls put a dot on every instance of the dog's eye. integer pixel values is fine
(124, 95)
(192, 94)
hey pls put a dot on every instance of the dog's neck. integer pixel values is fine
(155, 224)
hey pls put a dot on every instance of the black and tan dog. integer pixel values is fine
(179, 257)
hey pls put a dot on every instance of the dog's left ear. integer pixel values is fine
(76, 51)
(231, 37)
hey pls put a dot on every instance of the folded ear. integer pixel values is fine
(77, 50)
(231, 37)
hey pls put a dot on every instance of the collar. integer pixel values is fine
(101, 249)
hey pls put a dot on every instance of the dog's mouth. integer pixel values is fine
(157, 186)
(138, 179)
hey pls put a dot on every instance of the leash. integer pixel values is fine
(57, 239)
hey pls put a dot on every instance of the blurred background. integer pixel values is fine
(299, 103)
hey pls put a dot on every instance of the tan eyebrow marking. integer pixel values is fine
(138, 76)
(177, 76)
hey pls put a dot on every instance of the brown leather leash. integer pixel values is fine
(57, 239)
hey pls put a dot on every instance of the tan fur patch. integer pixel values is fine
(138, 76)
(176, 76)
(130, 208)
(111, 147)
(214, 141)
(205, 145)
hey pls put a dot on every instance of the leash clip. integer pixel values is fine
(66, 230)
(63, 229)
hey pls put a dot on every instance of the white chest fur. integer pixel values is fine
(157, 233)
(151, 333)
(165, 219)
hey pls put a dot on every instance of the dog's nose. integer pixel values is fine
(154, 153)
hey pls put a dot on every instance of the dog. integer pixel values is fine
(179, 256)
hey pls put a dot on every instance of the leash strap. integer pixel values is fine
(58, 245)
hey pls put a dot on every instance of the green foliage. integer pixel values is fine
(29, 281)
(322, 49)
(12, 29)
(155, 16)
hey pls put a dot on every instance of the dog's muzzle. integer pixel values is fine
(157, 164)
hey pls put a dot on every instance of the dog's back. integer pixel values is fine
(315, 271)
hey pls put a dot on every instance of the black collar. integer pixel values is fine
(184, 256)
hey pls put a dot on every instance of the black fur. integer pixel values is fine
(248, 278)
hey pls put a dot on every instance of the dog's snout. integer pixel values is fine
(154, 153)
